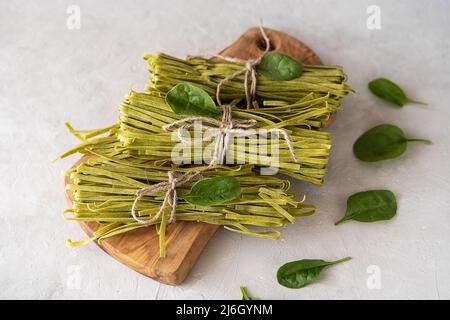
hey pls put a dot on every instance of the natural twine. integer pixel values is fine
(249, 71)
(170, 198)
(225, 128)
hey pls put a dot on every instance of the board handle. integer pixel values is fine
(251, 44)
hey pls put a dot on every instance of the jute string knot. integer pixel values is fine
(170, 198)
(249, 72)
(223, 129)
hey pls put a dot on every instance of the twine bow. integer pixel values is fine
(223, 129)
(170, 198)
(249, 71)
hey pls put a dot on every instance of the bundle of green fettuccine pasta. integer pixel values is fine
(167, 71)
(104, 189)
(142, 116)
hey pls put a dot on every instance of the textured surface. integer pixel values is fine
(49, 74)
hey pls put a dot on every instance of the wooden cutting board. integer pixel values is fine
(139, 249)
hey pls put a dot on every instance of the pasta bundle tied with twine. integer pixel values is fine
(146, 132)
(316, 81)
(104, 190)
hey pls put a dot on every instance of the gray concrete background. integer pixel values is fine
(50, 74)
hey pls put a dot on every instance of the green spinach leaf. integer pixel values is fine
(213, 191)
(278, 66)
(390, 91)
(382, 142)
(297, 274)
(186, 99)
(370, 206)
